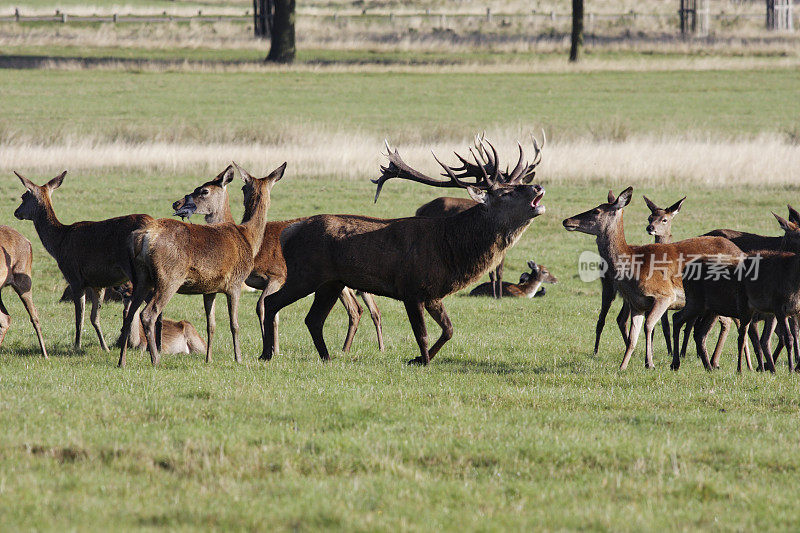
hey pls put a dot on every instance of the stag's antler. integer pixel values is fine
(523, 173)
(397, 168)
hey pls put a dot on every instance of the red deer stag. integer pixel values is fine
(648, 277)
(446, 206)
(177, 337)
(529, 284)
(269, 269)
(90, 255)
(173, 256)
(15, 271)
(416, 260)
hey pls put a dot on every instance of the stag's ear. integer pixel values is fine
(676, 207)
(623, 199)
(246, 177)
(56, 182)
(477, 194)
(794, 216)
(277, 174)
(785, 224)
(27, 183)
(611, 197)
(653, 207)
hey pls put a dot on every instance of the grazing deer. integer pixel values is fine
(269, 269)
(529, 283)
(416, 260)
(659, 225)
(173, 256)
(90, 255)
(15, 271)
(446, 206)
(648, 277)
(177, 337)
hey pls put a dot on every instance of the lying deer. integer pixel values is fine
(173, 256)
(15, 272)
(416, 260)
(446, 206)
(176, 337)
(529, 284)
(269, 269)
(648, 277)
(90, 255)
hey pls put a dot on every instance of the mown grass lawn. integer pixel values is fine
(514, 425)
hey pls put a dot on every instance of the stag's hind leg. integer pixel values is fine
(324, 299)
(291, 291)
(436, 310)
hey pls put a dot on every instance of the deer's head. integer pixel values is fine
(538, 273)
(257, 190)
(659, 223)
(36, 199)
(209, 199)
(791, 236)
(602, 218)
(508, 195)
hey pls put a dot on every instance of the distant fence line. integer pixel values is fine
(439, 17)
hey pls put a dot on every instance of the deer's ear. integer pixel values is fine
(476, 194)
(650, 205)
(277, 174)
(611, 197)
(785, 224)
(56, 182)
(794, 216)
(225, 177)
(246, 177)
(532, 264)
(26, 182)
(623, 199)
(676, 207)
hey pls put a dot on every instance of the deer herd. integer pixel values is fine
(724, 276)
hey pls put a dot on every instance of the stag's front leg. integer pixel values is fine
(209, 301)
(436, 310)
(653, 318)
(233, 316)
(97, 303)
(324, 299)
(416, 318)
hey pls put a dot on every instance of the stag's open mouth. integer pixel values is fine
(538, 209)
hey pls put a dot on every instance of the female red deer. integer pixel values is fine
(530, 284)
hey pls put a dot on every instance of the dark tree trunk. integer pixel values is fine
(282, 32)
(577, 30)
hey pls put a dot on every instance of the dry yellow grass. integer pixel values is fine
(764, 160)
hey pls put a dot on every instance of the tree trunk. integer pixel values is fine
(282, 48)
(577, 30)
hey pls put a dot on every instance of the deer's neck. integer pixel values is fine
(223, 214)
(530, 288)
(254, 220)
(51, 231)
(664, 239)
(611, 245)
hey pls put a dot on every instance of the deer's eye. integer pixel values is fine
(663, 221)
(204, 192)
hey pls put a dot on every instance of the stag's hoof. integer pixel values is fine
(674, 367)
(759, 368)
(265, 357)
(418, 361)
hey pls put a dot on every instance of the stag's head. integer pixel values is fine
(209, 199)
(506, 194)
(602, 218)
(659, 223)
(257, 190)
(36, 199)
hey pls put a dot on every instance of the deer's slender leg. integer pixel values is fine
(609, 292)
(786, 336)
(233, 316)
(97, 302)
(417, 320)
(679, 319)
(140, 290)
(766, 336)
(653, 317)
(149, 315)
(290, 292)
(795, 330)
(159, 328)
(493, 281)
(637, 320)
(499, 277)
(667, 335)
(79, 299)
(273, 285)
(209, 301)
(724, 329)
(622, 322)
(5, 321)
(33, 314)
(324, 299)
(375, 314)
(436, 310)
(354, 312)
(702, 325)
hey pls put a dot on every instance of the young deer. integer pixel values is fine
(416, 260)
(269, 268)
(446, 206)
(659, 225)
(177, 337)
(90, 255)
(15, 271)
(173, 256)
(528, 286)
(648, 277)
